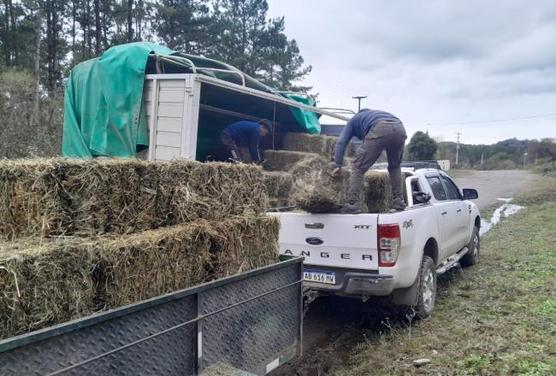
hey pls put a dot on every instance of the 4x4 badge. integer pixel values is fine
(408, 223)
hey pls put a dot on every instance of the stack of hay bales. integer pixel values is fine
(313, 189)
(84, 236)
(67, 197)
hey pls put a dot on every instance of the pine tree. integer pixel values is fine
(244, 37)
(182, 24)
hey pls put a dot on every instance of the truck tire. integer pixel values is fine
(426, 295)
(474, 248)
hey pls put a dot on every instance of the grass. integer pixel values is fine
(496, 318)
(543, 191)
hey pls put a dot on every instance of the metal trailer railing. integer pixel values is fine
(249, 323)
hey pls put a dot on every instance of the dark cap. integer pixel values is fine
(266, 123)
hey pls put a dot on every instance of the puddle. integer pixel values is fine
(503, 211)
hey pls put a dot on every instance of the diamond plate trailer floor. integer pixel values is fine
(250, 322)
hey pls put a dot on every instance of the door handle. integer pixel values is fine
(459, 210)
(444, 213)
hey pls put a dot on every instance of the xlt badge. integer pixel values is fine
(362, 227)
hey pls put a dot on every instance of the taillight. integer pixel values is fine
(389, 242)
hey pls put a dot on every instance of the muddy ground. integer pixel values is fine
(496, 184)
(334, 326)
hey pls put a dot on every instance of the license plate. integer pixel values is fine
(321, 277)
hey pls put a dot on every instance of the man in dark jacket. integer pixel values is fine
(379, 131)
(245, 133)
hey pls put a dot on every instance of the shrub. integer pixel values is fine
(23, 134)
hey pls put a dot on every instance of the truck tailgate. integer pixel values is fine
(335, 240)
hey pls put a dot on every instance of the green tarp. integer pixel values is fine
(102, 104)
(309, 119)
(103, 115)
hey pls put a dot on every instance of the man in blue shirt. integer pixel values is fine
(379, 131)
(245, 133)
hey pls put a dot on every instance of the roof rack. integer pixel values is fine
(417, 165)
(214, 69)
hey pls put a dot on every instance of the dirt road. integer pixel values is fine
(334, 326)
(495, 184)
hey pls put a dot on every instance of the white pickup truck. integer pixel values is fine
(395, 254)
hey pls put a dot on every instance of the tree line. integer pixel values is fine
(507, 154)
(41, 40)
(48, 37)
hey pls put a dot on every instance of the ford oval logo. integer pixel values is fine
(314, 241)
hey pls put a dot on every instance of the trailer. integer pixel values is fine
(246, 324)
(186, 112)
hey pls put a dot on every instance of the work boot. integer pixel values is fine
(351, 209)
(398, 204)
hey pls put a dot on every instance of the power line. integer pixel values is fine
(497, 120)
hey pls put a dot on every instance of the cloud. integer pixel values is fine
(533, 51)
(433, 61)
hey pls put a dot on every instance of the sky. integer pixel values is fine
(441, 66)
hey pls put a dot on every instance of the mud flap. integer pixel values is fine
(407, 296)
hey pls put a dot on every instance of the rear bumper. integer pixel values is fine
(351, 283)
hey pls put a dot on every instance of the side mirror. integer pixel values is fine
(470, 194)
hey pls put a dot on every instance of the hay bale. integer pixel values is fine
(61, 197)
(192, 190)
(243, 243)
(315, 190)
(283, 160)
(43, 285)
(310, 143)
(88, 197)
(109, 196)
(378, 191)
(31, 200)
(139, 266)
(278, 187)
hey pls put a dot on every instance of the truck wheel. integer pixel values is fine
(426, 297)
(474, 247)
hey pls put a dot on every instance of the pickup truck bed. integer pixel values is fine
(383, 254)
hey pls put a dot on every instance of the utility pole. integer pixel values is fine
(457, 148)
(359, 97)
